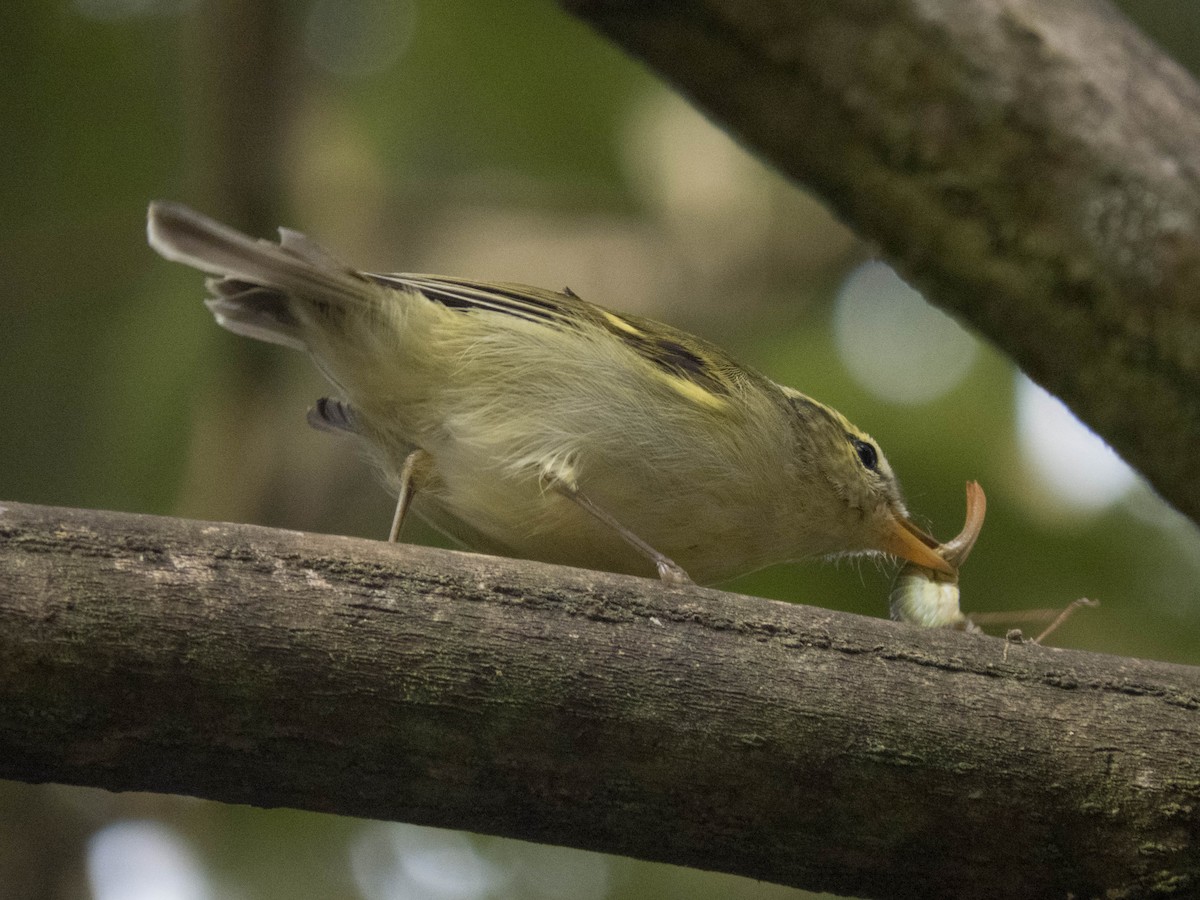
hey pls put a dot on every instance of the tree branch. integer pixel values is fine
(787, 743)
(1033, 167)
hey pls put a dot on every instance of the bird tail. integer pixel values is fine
(263, 290)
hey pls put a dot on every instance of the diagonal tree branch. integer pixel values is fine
(787, 743)
(1033, 167)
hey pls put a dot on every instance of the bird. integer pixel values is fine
(531, 423)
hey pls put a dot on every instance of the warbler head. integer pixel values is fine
(854, 489)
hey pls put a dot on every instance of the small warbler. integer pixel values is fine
(531, 423)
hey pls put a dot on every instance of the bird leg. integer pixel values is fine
(416, 466)
(668, 570)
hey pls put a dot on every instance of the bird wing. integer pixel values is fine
(674, 353)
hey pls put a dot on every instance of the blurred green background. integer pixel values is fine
(498, 141)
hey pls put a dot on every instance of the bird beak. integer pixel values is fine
(904, 539)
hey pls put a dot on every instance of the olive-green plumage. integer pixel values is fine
(551, 428)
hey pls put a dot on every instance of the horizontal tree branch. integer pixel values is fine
(787, 743)
(1033, 167)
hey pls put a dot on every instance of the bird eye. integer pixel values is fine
(867, 454)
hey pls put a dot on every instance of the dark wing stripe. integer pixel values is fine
(681, 359)
(672, 357)
(524, 300)
(464, 295)
(652, 342)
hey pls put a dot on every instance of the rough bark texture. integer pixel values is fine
(1033, 167)
(787, 743)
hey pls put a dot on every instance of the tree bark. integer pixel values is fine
(1032, 167)
(786, 743)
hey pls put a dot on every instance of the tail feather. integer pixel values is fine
(257, 279)
(301, 245)
(254, 311)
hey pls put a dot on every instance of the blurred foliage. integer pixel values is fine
(497, 141)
